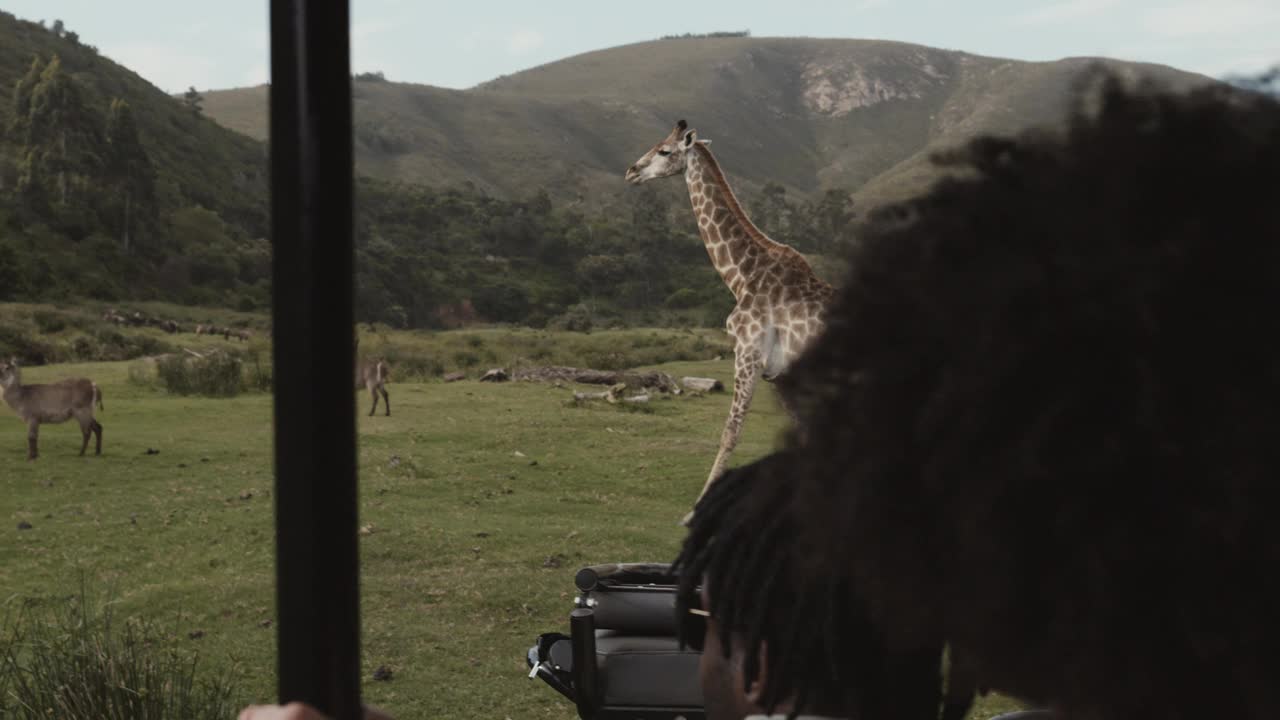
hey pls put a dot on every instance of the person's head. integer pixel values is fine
(777, 633)
(1043, 418)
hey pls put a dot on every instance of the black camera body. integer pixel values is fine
(622, 658)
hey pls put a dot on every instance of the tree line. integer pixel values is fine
(86, 211)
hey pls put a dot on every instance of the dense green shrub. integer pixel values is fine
(576, 319)
(258, 373)
(682, 299)
(216, 375)
(49, 322)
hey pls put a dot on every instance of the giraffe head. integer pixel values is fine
(665, 159)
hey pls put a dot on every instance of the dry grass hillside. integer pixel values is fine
(809, 114)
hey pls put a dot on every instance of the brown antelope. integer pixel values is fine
(372, 375)
(53, 403)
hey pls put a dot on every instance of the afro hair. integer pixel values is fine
(1043, 423)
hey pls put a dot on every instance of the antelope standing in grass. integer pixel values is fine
(372, 375)
(53, 403)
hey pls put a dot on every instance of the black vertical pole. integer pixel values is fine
(317, 567)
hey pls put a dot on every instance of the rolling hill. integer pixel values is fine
(201, 161)
(504, 202)
(808, 114)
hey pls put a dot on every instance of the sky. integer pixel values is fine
(176, 44)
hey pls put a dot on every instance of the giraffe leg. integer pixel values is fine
(746, 374)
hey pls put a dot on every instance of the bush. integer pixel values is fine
(258, 374)
(576, 319)
(49, 322)
(114, 345)
(143, 374)
(75, 662)
(16, 342)
(217, 375)
(84, 349)
(415, 368)
(682, 299)
(465, 358)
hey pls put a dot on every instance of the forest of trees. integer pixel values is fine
(97, 204)
(430, 258)
(84, 211)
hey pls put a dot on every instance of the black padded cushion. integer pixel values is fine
(646, 671)
(596, 576)
(636, 611)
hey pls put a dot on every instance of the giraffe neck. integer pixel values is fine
(734, 243)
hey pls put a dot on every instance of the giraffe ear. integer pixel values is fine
(689, 137)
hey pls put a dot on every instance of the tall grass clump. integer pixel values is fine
(258, 373)
(216, 375)
(75, 661)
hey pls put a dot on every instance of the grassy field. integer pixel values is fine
(481, 500)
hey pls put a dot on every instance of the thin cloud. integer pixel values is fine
(469, 42)
(363, 30)
(170, 68)
(1190, 19)
(258, 75)
(1249, 64)
(524, 40)
(1062, 12)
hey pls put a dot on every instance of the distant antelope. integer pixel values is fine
(373, 375)
(53, 403)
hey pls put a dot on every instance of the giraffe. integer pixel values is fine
(779, 301)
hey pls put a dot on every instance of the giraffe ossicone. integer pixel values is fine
(780, 302)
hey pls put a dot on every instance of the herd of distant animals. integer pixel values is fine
(779, 305)
(137, 319)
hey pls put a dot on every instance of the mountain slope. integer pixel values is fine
(808, 114)
(204, 163)
(149, 199)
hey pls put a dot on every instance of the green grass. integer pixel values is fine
(454, 584)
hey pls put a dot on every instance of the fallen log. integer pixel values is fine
(455, 377)
(702, 384)
(610, 397)
(644, 380)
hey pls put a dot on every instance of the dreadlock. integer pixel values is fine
(822, 653)
(1042, 419)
